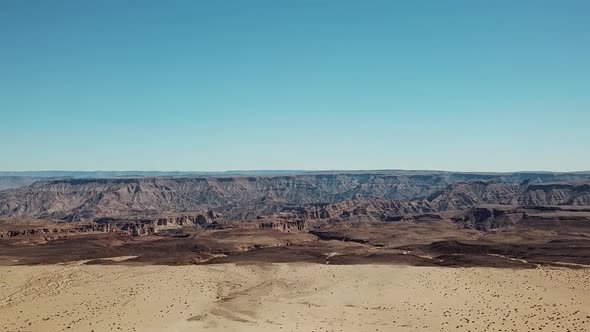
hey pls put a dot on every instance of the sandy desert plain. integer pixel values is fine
(292, 297)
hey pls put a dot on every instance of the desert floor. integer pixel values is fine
(291, 297)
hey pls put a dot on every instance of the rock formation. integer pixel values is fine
(378, 196)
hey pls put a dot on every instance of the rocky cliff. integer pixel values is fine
(236, 197)
(464, 195)
(486, 218)
(368, 208)
(313, 196)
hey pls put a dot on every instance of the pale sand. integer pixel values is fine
(291, 297)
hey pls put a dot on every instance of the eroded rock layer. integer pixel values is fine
(319, 196)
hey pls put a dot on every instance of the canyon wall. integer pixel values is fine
(319, 196)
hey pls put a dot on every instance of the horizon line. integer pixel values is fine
(289, 170)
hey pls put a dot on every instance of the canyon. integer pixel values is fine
(397, 217)
(302, 251)
(243, 197)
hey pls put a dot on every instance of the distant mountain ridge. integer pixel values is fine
(249, 196)
(10, 179)
(16, 179)
(109, 174)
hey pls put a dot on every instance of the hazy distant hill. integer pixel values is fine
(10, 180)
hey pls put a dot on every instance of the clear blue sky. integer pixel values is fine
(468, 85)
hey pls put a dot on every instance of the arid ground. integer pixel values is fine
(291, 297)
